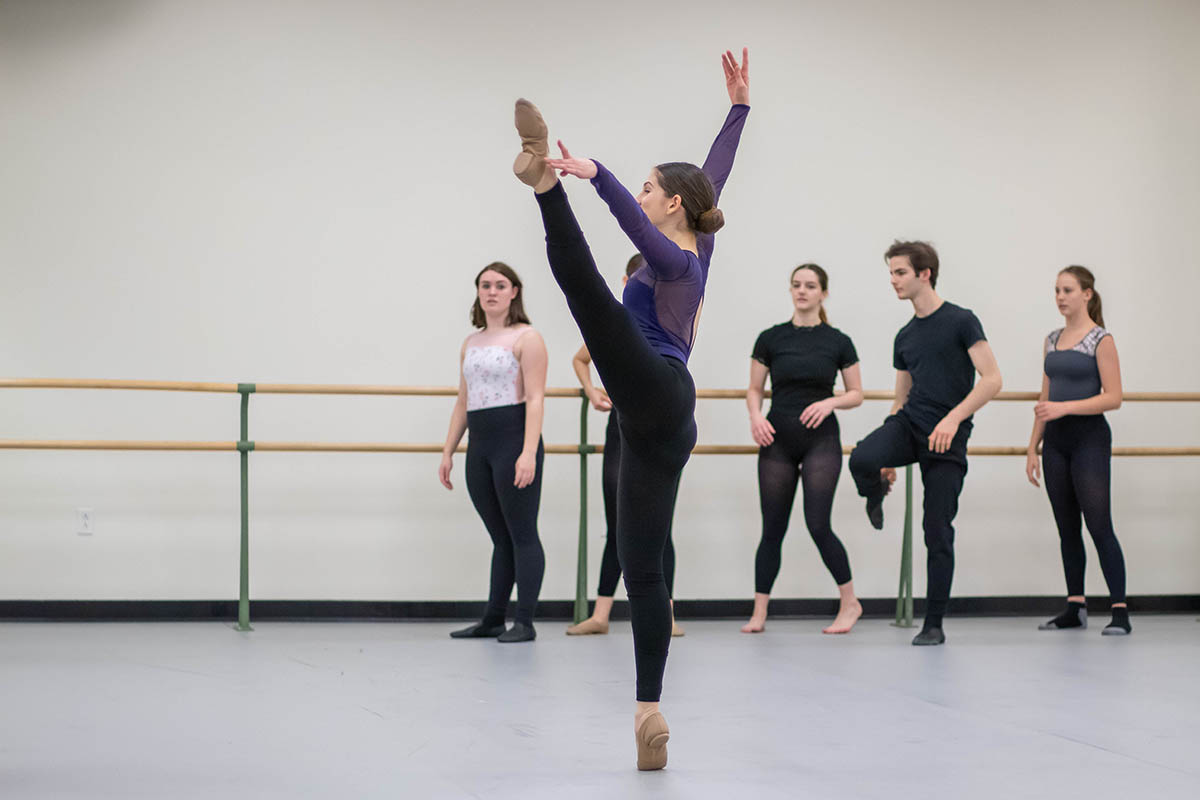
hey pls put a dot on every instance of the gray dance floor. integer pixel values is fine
(398, 710)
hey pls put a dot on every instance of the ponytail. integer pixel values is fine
(1096, 308)
(1087, 282)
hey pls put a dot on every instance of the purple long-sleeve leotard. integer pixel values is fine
(664, 296)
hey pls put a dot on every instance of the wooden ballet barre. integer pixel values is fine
(450, 391)
(408, 447)
(155, 386)
(77, 444)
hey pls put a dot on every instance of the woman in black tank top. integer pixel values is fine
(1081, 380)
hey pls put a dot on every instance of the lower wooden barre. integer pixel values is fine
(981, 450)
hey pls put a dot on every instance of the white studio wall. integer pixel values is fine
(303, 191)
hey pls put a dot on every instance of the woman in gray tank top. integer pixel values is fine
(1081, 380)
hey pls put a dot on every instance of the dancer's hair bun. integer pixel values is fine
(710, 221)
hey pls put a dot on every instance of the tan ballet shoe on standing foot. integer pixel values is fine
(652, 735)
(588, 626)
(676, 629)
(530, 165)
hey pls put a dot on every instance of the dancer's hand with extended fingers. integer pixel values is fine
(444, 471)
(569, 165)
(737, 76)
(526, 469)
(600, 400)
(1033, 469)
(762, 431)
(943, 434)
(816, 413)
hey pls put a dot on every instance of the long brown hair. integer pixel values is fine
(516, 311)
(822, 278)
(1087, 281)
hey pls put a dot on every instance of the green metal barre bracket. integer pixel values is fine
(245, 446)
(904, 596)
(581, 603)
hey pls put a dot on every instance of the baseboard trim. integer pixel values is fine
(549, 610)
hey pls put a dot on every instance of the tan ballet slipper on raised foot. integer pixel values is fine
(652, 735)
(589, 626)
(530, 164)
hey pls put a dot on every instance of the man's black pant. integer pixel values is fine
(894, 444)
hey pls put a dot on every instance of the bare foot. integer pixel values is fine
(591, 625)
(676, 629)
(755, 625)
(848, 614)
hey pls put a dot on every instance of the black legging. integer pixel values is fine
(1077, 464)
(898, 442)
(779, 470)
(656, 399)
(497, 436)
(610, 565)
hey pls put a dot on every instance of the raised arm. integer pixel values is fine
(665, 259)
(719, 162)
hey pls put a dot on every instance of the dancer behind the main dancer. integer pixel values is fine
(936, 356)
(804, 356)
(501, 398)
(640, 350)
(1081, 380)
(610, 566)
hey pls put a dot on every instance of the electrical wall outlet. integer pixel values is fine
(85, 521)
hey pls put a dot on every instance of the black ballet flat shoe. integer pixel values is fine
(478, 631)
(1120, 623)
(519, 632)
(929, 636)
(1074, 617)
(875, 512)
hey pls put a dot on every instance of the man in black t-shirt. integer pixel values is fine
(936, 357)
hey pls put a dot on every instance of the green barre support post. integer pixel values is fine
(581, 603)
(904, 597)
(244, 447)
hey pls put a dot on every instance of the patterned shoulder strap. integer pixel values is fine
(1092, 341)
(1052, 340)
